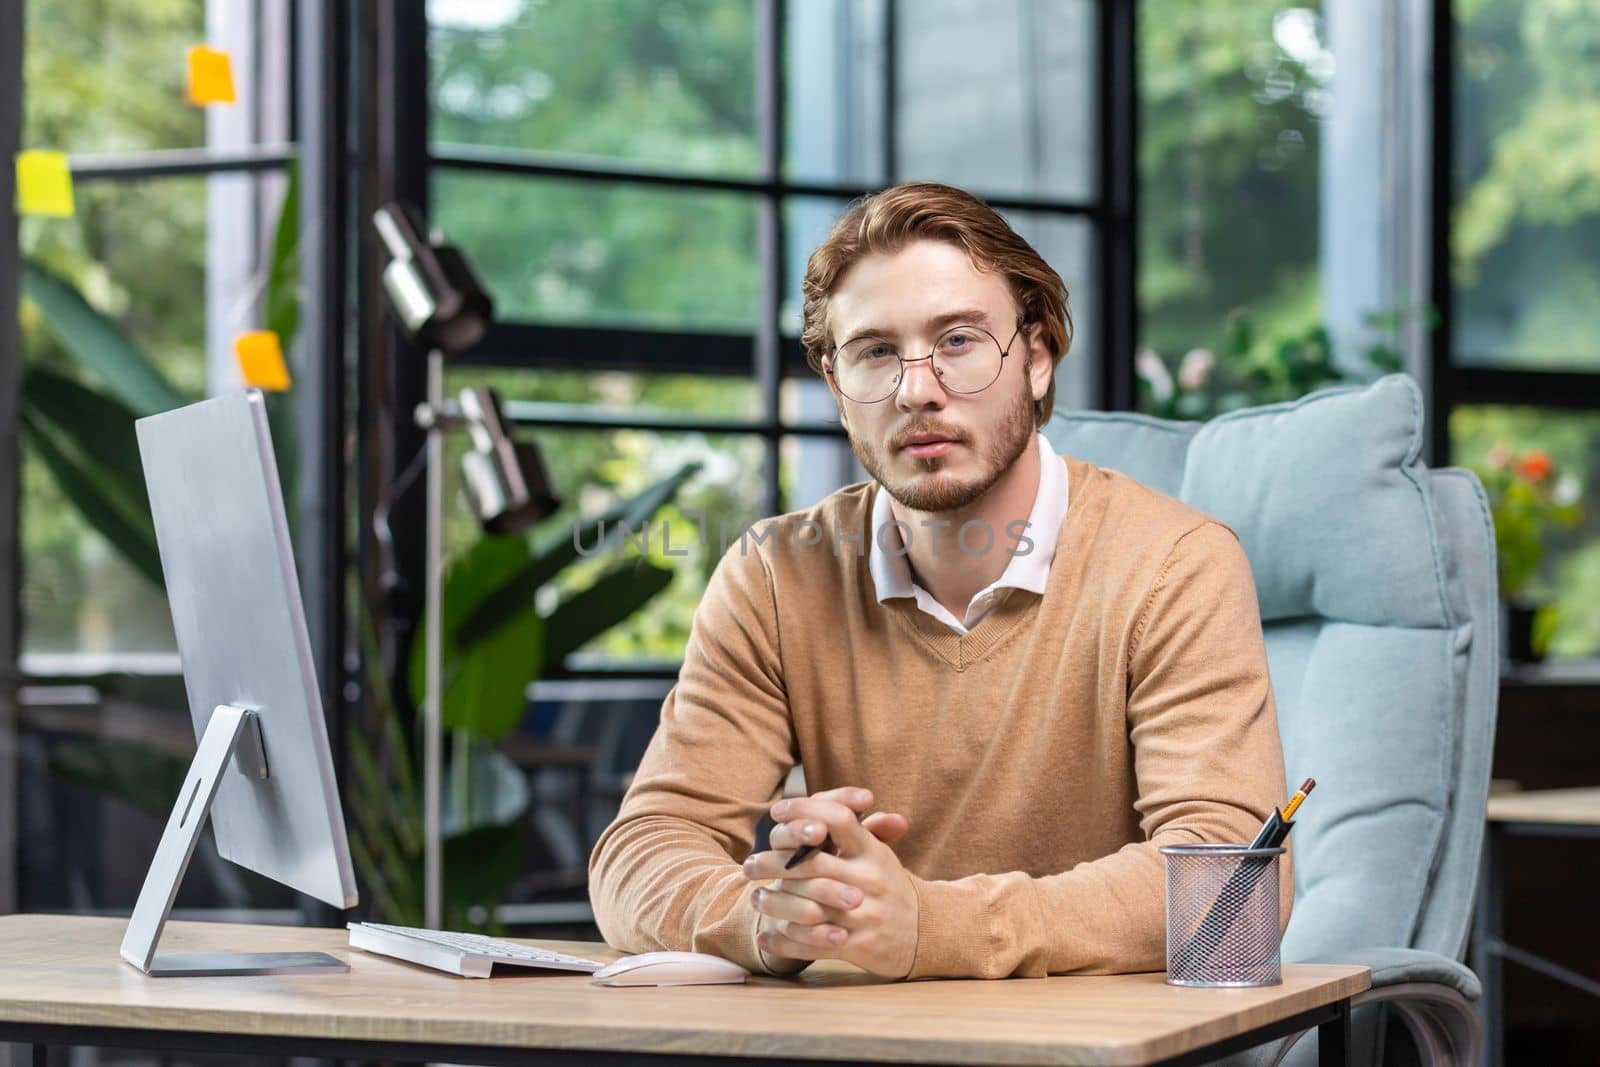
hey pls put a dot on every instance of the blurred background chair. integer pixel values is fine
(1376, 580)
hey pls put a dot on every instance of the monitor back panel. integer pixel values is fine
(229, 567)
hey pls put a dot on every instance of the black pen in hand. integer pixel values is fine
(804, 851)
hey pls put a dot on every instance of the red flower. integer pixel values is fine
(1536, 466)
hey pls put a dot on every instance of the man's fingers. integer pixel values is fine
(767, 866)
(855, 799)
(806, 816)
(828, 892)
(794, 834)
(776, 942)
(887, 826)
(777, 904)
(849, 795)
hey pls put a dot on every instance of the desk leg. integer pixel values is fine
(1488, 932)
(1333, 1039)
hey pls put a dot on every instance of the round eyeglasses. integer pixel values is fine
(966, 360)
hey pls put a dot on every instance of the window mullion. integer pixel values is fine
(770, 240)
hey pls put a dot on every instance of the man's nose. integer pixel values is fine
(920, 386)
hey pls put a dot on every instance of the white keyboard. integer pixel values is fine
(469, 955)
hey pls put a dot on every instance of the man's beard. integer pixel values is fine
(950, 494)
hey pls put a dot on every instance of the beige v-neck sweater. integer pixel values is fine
(1041, 759)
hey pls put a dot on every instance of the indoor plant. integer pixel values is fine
(1526, 496)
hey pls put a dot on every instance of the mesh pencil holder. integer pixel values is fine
(1222, 915)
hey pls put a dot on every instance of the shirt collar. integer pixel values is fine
(891, 574)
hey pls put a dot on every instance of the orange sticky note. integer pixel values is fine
(44, 184)
(261, 361)
(210, 76)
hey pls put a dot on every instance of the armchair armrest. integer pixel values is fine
(1435, 996)
(1397, 966)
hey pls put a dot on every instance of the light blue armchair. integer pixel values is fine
(1376, 579)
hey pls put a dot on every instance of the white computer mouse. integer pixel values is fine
(671, 968)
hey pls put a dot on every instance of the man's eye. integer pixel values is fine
(876, 352)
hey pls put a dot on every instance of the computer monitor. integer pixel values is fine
(263, 770)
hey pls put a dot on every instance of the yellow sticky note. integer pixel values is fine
(44, 184)
(210, 76)
(261, 361)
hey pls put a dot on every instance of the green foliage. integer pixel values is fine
(615, 596)
(1528, 184)
(496, 641)
(1229, 147)
(87, 441)
(1525, 497)
(1561, 578)
(482, 850)
(1251, 369)
(1568, 627)
(643, 81)
(84, 436)
(560, 548)
(486, 678)
(98, 343)
(109, 77)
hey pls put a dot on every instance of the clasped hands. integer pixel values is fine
(854, 903)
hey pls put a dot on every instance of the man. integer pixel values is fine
(1031, 671)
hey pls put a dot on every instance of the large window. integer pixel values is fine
(1232, 97)
(641, 183)
(1521, 356)
(128, 307)
(171, 201)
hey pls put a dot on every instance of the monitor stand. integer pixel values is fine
(234, 734)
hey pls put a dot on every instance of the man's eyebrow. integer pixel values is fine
(964, 316)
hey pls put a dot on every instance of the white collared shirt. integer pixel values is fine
(891, 573)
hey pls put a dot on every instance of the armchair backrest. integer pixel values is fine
(1376, 580)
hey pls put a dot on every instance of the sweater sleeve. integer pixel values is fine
(1209, 768)
(666, 874)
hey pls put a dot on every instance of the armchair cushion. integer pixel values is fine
(1326, 494)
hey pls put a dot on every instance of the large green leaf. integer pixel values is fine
(618, 594)
(87, 441)
(99, 343)
(485, 683)
(99, 426)
(560, 549)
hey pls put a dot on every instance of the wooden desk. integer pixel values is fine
(62, 983)
(1536, 813)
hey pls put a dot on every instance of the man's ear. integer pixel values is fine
(1041, 368)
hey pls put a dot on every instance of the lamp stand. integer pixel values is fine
(433, 713)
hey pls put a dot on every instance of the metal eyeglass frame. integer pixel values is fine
(901, 377)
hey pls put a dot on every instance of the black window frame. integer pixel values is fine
(766, 354)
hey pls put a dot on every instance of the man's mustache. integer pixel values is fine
(901, 439)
